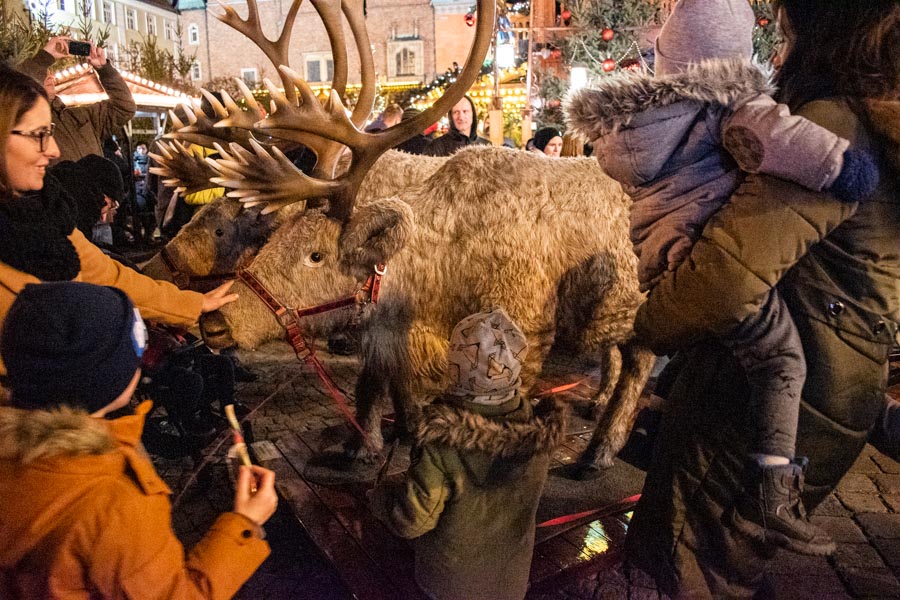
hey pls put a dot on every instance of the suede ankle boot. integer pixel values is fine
(770, 510)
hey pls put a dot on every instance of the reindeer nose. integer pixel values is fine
(215, 331)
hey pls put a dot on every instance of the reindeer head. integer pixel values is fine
(259, 173)
(222, 237)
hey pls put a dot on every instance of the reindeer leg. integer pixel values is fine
(615, 423)
(610, 371)
(370, 390)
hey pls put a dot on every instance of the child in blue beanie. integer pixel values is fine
(84, 511)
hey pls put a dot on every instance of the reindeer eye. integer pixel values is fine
(314, 259)
(219, 233)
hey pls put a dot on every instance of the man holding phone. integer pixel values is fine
(80, 130)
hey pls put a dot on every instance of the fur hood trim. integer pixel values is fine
(30, 435)
(468, 431)
(616, 100)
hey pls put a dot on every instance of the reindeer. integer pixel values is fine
(546, 239)
(224, 234)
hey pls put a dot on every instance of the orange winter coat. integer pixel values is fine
(86, 516)
(156, 300)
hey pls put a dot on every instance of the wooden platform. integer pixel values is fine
(376, 565)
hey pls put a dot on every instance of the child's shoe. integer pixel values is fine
(771, 511)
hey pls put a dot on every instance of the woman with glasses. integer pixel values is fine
(38, 237)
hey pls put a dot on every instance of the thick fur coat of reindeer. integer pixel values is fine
(545, 239)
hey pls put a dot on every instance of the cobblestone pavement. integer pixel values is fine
(863, 515)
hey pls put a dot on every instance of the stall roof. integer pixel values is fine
(79, 85)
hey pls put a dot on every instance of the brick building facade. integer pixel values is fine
(401, 34)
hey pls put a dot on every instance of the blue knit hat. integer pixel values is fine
(71, 344)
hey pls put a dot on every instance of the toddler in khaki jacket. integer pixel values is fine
(479, 464)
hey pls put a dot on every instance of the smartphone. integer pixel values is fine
(79, 48)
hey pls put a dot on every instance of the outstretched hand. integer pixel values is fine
(217, 298)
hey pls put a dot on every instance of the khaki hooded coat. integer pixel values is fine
(80, 130)
(471, 494)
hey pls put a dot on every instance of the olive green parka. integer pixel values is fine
(471, 494)
(838, 268)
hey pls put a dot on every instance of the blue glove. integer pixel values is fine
(858, 179)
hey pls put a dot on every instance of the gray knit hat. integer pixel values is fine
(703, 29)
(485, 358)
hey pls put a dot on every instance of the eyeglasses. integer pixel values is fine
(42, 135)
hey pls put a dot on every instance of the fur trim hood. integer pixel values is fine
(30, 435)
(539, 432)
(616, 100)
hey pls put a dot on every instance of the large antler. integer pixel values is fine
(181, 168)
(305, 117)
(275, 50)
(231, 123)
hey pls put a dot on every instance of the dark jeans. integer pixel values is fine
(768, 348)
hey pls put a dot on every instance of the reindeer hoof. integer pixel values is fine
(579, 471)
(336, 468)
(361, 454)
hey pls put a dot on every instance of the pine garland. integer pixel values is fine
(618, 34)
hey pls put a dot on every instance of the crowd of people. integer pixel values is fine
(778, 344)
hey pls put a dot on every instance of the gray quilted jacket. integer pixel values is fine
(679, 143)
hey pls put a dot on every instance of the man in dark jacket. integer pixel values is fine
(80, 130)
(463, 130)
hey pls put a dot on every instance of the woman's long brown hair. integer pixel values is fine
(18, 95)
(840, 48)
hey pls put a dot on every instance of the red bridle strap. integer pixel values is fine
(290, 320)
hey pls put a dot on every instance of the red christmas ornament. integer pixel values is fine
(608, 65)
(762, 21)
(566, 14)
(470, 19)
(607, 34)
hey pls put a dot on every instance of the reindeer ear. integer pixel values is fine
(374, 234)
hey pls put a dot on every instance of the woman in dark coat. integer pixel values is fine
(838, 267)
